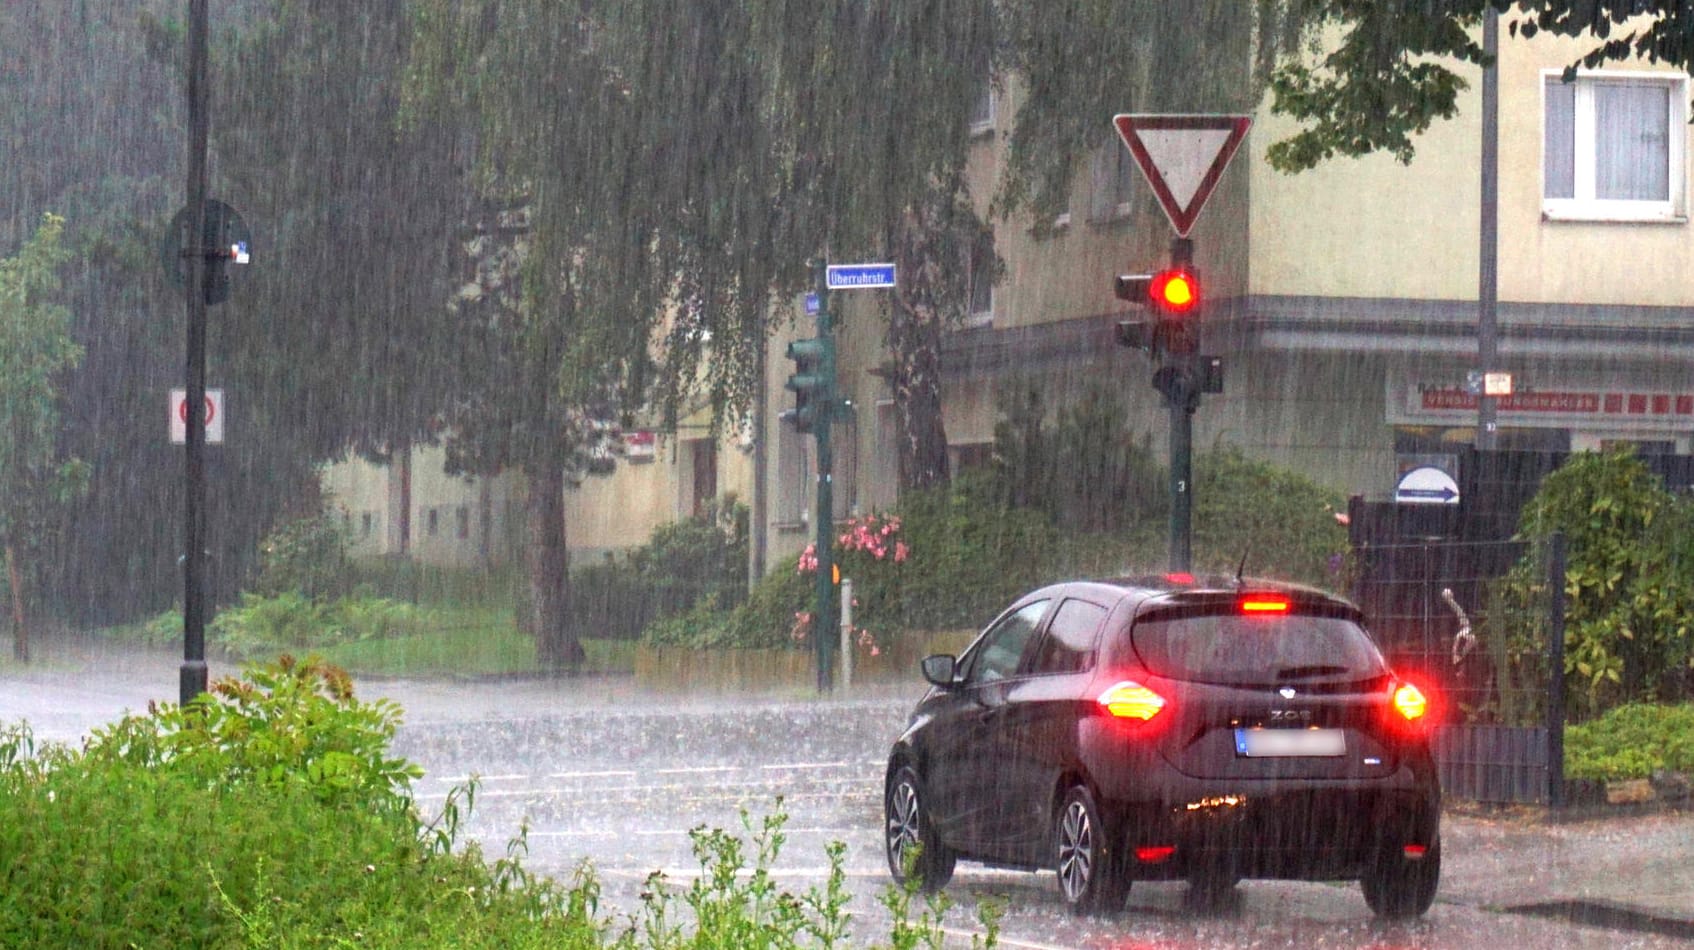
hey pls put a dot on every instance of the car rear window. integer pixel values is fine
(1246, 650)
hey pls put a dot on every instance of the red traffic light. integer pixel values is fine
(1174, 291)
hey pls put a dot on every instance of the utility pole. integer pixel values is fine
(1488, 277)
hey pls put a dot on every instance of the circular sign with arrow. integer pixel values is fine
(1426, 485)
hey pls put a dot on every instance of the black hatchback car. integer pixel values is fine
(1166, 729)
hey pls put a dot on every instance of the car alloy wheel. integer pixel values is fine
(1089, 877)
(910, 838)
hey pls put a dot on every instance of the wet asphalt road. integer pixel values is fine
(621, 786)
(604, 773)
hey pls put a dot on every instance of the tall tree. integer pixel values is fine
(36, 478)
(565, 288)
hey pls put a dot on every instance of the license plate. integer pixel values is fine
(1284, 743)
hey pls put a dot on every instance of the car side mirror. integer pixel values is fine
(940, 669)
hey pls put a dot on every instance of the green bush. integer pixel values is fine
(1276, 522)
(970, 554)
(695, 561)
(261, 626)
(306, 556)
(268, 813)
(1629, 583)
(1632, 741)
(766, 620)
(1085, 469)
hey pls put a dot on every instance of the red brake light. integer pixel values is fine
(1410, 702)
(1153, 854)
(1130, 700)
(1260, 604)
(1180, 577)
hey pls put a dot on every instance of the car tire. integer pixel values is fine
(1397, 887)
(908, 827)
(1091, 879)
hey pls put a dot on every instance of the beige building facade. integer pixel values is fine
(1343, 301)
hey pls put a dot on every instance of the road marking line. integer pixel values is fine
(616, 774)
(461, 779)
(807, 765)
(733, 792)
(696, 770)
(1004, 940)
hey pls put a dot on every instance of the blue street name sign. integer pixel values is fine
(860, 276)
(811, 305)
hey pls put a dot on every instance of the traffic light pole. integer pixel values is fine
(1182, 399)
(823, 613)
(1182, 482)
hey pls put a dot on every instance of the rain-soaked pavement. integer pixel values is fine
(606, 773)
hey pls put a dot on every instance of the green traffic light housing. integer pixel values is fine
(813, 380)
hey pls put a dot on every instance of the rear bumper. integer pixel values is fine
(1320, 831)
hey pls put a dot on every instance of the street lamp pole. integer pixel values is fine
(193, 675)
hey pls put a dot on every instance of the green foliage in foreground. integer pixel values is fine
(1632, 741)
(270, 813)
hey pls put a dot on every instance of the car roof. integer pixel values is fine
(1147, 591)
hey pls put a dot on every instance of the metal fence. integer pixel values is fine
(1479, 621)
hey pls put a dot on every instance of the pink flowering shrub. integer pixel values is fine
(870, 550)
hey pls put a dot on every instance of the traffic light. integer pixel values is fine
(813, 380)
(1173, 296)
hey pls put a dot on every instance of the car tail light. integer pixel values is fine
(1261, 604)
(1153, 854)
(1179, 577)
(1130, 700)
(1410, 702)
(1415, 852)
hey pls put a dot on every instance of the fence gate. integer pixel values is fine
(1477, 619)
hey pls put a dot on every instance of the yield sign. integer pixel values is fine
(1183, 156)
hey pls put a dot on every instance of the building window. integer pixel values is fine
(463, 528)
(703, 481)
(982, 109)
(1613, 147)
(432, 521)
(794, 480)
(367, 522)
(1112, 177)
(981, 290)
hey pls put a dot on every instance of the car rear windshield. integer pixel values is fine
(1248, 650)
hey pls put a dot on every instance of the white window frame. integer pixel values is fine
(1584, 206)
(974, 317)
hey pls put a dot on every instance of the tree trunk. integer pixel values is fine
(556, 645)
(20, 630)
(914, 345)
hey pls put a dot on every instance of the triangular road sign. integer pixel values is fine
(1183, 157)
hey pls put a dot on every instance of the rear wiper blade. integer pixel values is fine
(1315, 669)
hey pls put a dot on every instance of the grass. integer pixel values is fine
(486, 646)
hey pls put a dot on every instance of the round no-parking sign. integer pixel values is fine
(214, 416)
